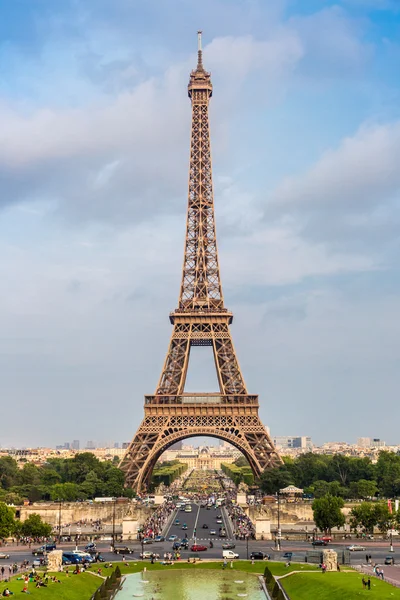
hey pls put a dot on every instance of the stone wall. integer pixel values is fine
(71, 512)
(291, 513)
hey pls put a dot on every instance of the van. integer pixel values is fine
(229, 554)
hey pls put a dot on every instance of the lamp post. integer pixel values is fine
(278, 533)
(59, 523)
(247, 546)
(141, 541)
(113, 524)
(391, 541)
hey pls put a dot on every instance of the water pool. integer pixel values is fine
(191, 585)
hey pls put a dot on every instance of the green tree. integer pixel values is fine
(64, 491)
(49, 477)
(9, 472)
(241, 462)
(30, 474)
(327, 513)
(272, 480)
(363, 489)
(33, 526)
(6, 521)
(364, 517)
(388, 474)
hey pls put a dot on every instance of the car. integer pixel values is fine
(288, 555)
(208, 508)
(257, 556)
(177, 522)
(356, 548)
(319, 543)
(149, 554)
(219, 521)
(229, 554)
(222, 533)
(4, 555)
(42, 562)
(148, 541)
(198, 548)
(185, 544)
(159, 538)
(228, 546)
(205, 526)
(43, 549)
(73, 558)
(172, 538)
(389, 560)
(218, 517)
(176, 546)
(326, 538)
(184, 527)
(123, 549)
(90, 546)
(213, 532)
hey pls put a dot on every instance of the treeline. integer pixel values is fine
(79, 478)
(238, 474)
(32, 527)
(337, 475)
(167, 472)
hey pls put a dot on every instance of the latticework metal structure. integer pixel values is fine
(201, 319)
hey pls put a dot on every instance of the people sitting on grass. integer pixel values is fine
(7, 592)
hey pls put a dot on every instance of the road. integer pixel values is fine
(195, 532)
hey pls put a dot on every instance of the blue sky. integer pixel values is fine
(94, 145)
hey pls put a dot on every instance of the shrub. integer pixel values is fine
(118, 573)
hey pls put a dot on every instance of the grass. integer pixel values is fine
(336, 586)
(74, 587)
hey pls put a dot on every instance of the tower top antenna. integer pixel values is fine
(199, 52)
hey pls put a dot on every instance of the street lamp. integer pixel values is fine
(247, 546)
(278, 533)
(113, 524)
(59, 523)
(391, 541)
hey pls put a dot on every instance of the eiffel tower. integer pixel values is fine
(201, 319)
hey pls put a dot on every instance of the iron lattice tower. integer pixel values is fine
(201, 319)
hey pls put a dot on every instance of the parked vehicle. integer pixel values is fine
(258, 556)
(229, 554)
(123, 549)
(73, 558)
(43, 549)
(319, 543)
(198, 548)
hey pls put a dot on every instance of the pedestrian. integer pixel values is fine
(367, 558)
(381, 574)
(364, 583)
(231, 564)
(369, 583)
(338, 567)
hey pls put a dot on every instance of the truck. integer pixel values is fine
(229, 554)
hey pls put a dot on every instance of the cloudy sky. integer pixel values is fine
(94, 145)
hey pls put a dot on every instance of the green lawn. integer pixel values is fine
(74, 587)
(336, 586)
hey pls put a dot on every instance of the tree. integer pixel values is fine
(364, 516)
(33, 526)
(327, 512)
(241, 462)
(30, 474)
(388, 474)
(9, 472)
(363, 489)
(6, 521)
(65, 491)
(272, 480)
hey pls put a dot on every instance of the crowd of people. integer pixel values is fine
(154, 525)
(243, 527)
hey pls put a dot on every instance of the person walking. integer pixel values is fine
(369, 583)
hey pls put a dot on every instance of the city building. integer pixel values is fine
(75, 445)
(289, 441)
(367, 442)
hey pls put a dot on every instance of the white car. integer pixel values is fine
(149, 554)
(356, 548)
(213, 532)
(3, 555)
